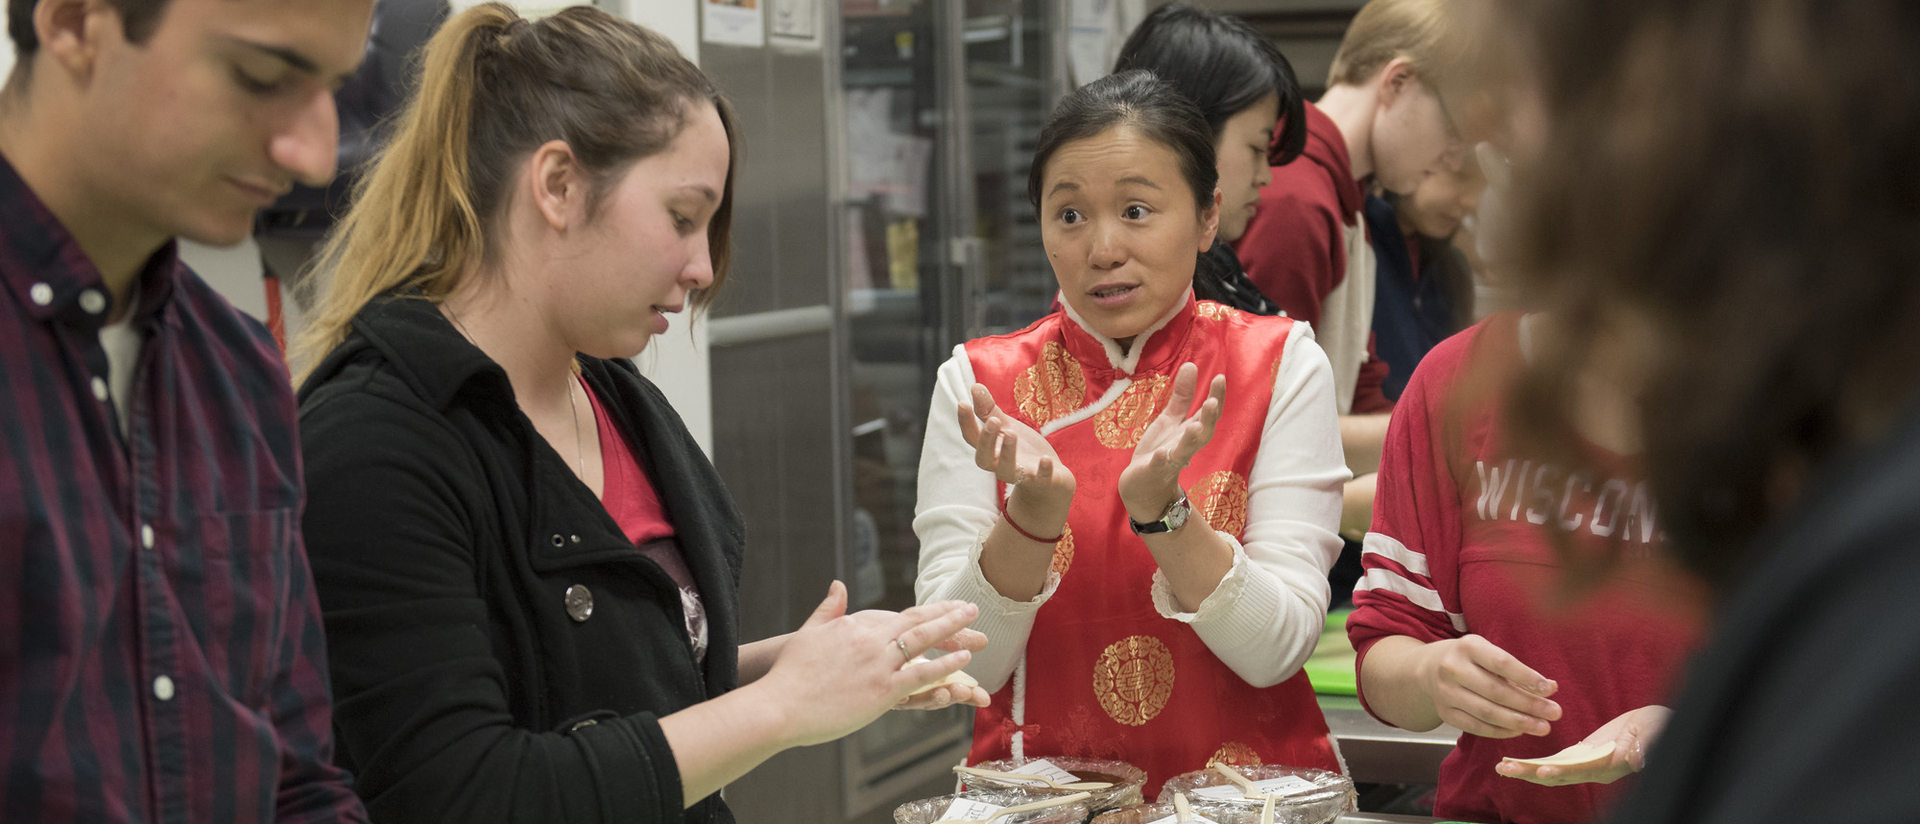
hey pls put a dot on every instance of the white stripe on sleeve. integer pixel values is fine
(1422, 596)
(1387, 547)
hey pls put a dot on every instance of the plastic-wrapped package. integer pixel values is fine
(930, 810)
(1302, 796)
(1126, 779)
(1206, 814)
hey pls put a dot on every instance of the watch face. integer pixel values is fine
(1176, 516)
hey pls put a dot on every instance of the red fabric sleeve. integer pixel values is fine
(1411, 557)
(1369, 398)
(1294, 248)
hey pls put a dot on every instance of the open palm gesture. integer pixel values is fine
(1014, 452)
(1152, 479)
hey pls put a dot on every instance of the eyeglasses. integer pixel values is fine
(1456, 144)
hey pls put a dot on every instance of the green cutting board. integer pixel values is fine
(1330, 668)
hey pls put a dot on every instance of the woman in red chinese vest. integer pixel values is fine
(1152, 570)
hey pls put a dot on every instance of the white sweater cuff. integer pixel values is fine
(1222, 599)
(977, 589)
(1238, 616)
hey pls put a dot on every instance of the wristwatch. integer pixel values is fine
(1174, 518)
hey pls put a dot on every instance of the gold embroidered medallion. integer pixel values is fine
(1133, 679)
(1212, 311)
(1235, 753)
(1222, 497)
(1063, 552)
(1121, 424)
(1051, 388)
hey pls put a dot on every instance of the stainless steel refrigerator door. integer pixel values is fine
(943, 102)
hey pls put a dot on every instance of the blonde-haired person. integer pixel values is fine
(528, 568)
(1383, 119)
(1423, 284)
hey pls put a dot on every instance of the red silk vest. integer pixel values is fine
(1105, 675)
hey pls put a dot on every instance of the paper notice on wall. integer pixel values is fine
(1096, 29)
(881, 161)
(912, 158)
(1092, 32)
(795, 20)
(733, 22)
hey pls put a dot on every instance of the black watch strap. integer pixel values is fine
(1173, 518)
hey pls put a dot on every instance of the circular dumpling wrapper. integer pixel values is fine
(1578, 755)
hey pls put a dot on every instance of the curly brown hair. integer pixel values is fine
(1738, 181)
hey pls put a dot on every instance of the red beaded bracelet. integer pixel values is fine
(1023, 533)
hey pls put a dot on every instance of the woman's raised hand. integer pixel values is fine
(1016, 454)
(1152, 480)
(839, 672)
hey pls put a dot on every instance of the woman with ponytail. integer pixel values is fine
(527, 567)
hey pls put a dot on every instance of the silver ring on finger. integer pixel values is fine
(1020, 475)
(902, 646)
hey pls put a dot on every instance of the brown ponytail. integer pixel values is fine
(493, 88)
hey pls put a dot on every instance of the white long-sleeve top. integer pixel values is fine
(1266, 614)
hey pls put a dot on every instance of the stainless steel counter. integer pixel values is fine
(1379, 754)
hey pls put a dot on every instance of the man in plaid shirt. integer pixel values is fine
(161, 657)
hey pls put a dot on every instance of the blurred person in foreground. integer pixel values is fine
(161, 655)
(1739, 244)
(1139, 491)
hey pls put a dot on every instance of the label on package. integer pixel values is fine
(1196, 818)
(965, 808)
(1283, 786)
(1043, 768)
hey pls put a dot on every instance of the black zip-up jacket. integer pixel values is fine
(445, 535)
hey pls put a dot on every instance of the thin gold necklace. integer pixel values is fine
(573, 406)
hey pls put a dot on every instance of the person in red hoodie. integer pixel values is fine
(1383, 118)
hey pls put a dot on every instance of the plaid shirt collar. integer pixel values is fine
(54, 278)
